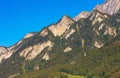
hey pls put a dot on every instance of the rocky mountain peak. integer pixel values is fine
(63, 25)
(110, 7)
(29, 35)
(66, 20)
(3, 50)
(83, 14)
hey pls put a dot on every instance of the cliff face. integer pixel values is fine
(92, 30)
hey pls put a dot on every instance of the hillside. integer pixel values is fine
(98, 63)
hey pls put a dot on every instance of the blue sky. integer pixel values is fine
(19, 17)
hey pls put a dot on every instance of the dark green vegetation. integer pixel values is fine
(99, 63)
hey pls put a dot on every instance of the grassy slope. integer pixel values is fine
(99, 63)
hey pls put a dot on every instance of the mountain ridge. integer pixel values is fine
(86, 32)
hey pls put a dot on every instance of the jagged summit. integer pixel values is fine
(110, 7)
(59, 28)
(83, 14)
(66, 19)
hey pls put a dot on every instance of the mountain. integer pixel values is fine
(85, 46)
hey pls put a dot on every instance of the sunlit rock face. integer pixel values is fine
(29, 35)
(32, 51)
(84, 14)
(110, 7)
(67, 49)
(3, 50)
(5, 53)
(98, 44)
(44, 33)
(69, 33)
(62, 26)
(46, 57)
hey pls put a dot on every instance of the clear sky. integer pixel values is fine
(19, 17)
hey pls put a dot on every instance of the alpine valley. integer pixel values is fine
(87, 46)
